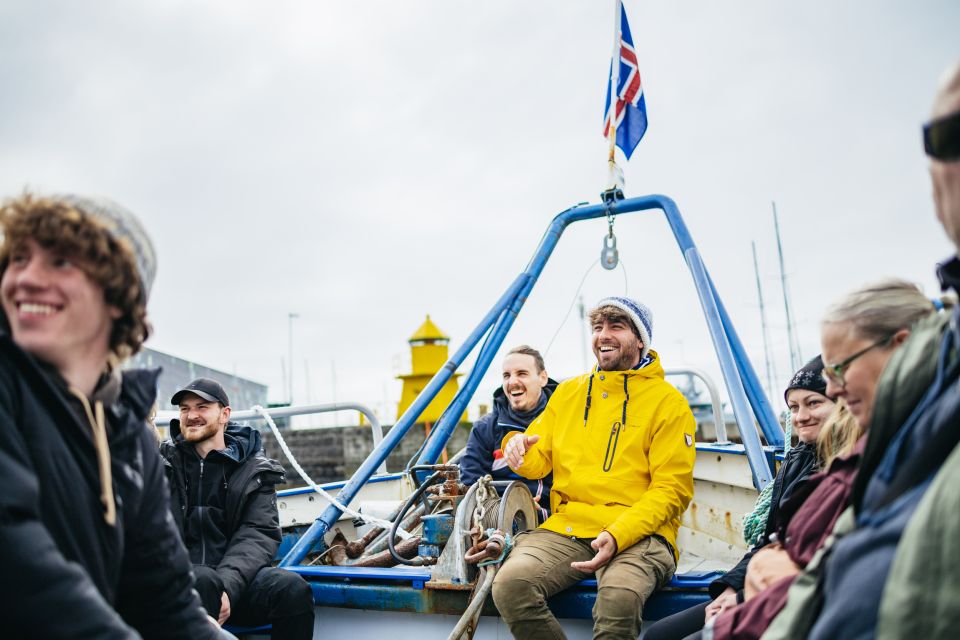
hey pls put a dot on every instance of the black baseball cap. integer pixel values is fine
(206, 388)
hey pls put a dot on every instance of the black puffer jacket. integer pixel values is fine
(228, 515)
(799, 464)
(482, 455)
(67, 573)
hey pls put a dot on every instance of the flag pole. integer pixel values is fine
(614, 97)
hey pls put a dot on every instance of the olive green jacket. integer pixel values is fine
(922, 595)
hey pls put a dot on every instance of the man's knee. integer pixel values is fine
(298, 591)
(617, 608)
(515, 596)
(288, 592)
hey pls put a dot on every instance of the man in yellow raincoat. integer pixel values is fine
(620, 443)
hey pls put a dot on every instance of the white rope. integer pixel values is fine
(384, 524)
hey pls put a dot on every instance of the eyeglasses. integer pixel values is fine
(834, 372)
(941, 138)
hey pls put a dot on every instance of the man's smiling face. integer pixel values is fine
(55, 310)
(615, 343)
(522, 382)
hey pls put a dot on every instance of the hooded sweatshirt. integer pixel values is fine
(632, 477)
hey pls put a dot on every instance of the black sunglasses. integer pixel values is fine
(941, 138)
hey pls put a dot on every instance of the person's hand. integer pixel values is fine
(767, 566)
(224, 609)
(606, 547)
(516, 447)
(724, 601)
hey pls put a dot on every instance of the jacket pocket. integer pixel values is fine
(612, 442)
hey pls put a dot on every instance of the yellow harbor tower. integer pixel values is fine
(429, 349)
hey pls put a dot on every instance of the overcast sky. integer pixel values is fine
(363, 164)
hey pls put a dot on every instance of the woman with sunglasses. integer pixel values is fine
(859, 334)
(809, 407)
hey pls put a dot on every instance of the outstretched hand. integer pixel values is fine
(516, 447)
(606, 547)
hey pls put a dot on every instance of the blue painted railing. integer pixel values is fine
(743, 386)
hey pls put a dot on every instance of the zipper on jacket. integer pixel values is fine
(611, 447)
(203, 542)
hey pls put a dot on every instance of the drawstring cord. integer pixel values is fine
(586, 409)
(98, 424)
(626, 399)
(617, 426)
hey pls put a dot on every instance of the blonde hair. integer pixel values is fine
(880, 309)
(839, 434)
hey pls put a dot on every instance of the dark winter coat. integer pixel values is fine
(859, 563)
(67, 573)
(232, 524)
(799, 463)
(803, 523)
(483, 455)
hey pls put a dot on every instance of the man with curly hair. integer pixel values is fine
(84, 520)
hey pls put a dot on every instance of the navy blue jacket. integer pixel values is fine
(896, 479)
(487, 433)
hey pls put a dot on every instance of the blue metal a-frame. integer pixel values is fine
(750, 404)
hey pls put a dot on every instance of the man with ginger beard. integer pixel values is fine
(619, 442)
(223, 499)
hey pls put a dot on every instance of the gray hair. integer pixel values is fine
(880, 309)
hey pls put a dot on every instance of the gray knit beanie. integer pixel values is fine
(124, 227)
(640, 316)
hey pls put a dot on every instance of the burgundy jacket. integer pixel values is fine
(805, 521)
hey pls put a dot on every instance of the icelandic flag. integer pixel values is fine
(631, 109)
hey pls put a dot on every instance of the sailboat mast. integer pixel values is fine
(796, 360)
(763, 323)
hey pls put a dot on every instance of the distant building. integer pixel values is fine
(177, 372)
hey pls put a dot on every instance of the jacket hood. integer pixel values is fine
(506, 412)
(135, 388)
(138, 387)
(139, 390)
(242, 441)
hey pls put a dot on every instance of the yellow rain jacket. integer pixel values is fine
(632, 478)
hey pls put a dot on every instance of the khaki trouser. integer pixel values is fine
(539, 566)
